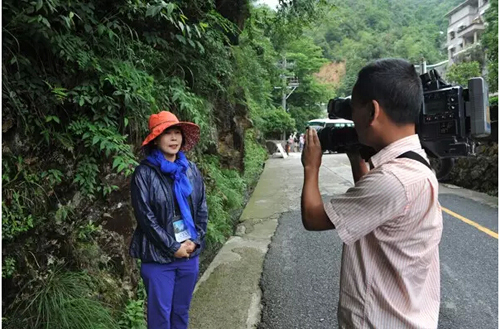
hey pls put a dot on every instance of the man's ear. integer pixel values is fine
(374, 111)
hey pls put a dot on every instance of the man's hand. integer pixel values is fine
(314, 217)
(353, 153)
(311, 156)
(358, 165)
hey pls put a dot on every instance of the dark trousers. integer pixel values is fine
(169, 288)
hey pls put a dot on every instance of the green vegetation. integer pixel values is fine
(62, 300)
(489, 40)
(80, 80)
(358, 31)
(462, 72)
(255, 155)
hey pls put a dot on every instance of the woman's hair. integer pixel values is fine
(149, 147)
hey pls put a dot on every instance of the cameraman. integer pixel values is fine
(390, 221)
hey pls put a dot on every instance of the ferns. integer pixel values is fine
(80, 79)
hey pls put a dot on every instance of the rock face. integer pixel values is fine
(479, 173)
(232, 122)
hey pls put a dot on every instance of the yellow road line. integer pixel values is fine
(472, 223)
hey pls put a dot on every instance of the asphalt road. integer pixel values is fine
(300, 281)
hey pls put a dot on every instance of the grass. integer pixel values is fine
(63, 301)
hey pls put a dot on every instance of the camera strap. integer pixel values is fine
(415, 156)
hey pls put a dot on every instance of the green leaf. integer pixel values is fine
(153, 10)
(125, 121)
(45, 22)
(39, 4)
(116, 162)
(100, 29)
(121, 167)
(95, 140)
(180, 38)
(203, 26)
(170, 8)
(202, 49)
(197, 31)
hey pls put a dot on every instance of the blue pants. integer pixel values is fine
(169, 288)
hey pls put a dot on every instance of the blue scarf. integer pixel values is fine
(182, 185)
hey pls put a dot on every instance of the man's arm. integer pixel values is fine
(358, 166)
(376, 199)
(314, 217)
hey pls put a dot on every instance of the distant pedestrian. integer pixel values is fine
(291, 142)
(301, 142)
(168, 197)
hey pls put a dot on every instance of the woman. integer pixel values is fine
(168, 196)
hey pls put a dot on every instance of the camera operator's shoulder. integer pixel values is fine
(409, 171)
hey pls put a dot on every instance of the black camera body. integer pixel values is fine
(450, 121)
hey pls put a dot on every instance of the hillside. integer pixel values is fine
(358, 31)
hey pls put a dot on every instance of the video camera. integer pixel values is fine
(450, 119)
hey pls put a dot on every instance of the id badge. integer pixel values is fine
(180, 230)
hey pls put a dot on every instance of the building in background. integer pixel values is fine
(466, 23)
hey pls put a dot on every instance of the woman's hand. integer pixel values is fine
(191, 246)
(182, 252)
(187, 247)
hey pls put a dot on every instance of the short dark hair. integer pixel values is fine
(395, 85)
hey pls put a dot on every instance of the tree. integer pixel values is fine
(489, 40)
(278, 121)
(461, 73)
(359, 31)
(304, 103)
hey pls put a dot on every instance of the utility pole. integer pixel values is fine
(290, 82)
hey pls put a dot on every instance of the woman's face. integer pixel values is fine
(170, 141)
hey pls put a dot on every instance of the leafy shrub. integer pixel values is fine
(461, 73)
(255, 156)
(225, 190)
(133, 317)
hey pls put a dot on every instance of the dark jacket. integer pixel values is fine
(154, 204)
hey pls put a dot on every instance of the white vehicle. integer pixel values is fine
(336, 123)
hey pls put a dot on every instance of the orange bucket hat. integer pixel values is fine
(163, 120)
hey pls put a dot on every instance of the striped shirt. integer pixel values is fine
(391, 224)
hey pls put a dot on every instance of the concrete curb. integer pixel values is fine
(228, 294)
